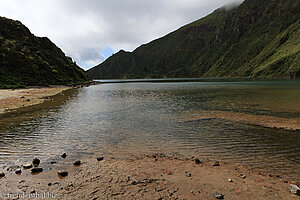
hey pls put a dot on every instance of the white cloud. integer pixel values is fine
(85, 28)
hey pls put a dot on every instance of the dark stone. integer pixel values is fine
(62, 173)
(18, 171)
(242, 176)
(294, 189)
(218, 195)
(36, 162)
(216, 164)
(64, 155)
(77, 163)
(27, 166)
(100, 158)
(197, 161)
(2, 174)
(36, 170)
(53, 162)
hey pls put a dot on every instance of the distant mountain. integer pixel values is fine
(29, 60)
(256, 39)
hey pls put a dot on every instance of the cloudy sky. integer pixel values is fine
(91, 30)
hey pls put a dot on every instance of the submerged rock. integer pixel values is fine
(27, 166)
(62, 173)
(37, 170)
(294, 189)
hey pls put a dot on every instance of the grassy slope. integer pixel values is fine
(29, 60)
(259, 38)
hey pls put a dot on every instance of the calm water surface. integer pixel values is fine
(137, 118)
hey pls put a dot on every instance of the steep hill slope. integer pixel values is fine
(29, 60)
(256, 39)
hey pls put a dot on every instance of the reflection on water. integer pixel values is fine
(142, 117)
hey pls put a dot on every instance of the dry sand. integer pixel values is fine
(18, 98)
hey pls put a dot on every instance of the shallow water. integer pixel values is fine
(137, 118)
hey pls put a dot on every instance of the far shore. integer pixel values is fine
(12, 99)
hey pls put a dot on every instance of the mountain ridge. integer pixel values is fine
(27, 60)
(256, 39)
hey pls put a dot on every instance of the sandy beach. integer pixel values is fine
(153, 176)
(13, 99)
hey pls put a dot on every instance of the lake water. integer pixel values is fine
(138, 118)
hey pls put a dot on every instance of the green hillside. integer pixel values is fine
(256, 39)
(29, 60)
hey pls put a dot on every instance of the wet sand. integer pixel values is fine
(11, 100)
(260, 120)
(150, 177)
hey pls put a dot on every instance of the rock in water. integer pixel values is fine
(218, 195)
(37, 170)
(36, 162)
(27, 166)
(100, 158)
(77, 163)
(2, 174)
(294, 189)
(62, 173)
(64, 155)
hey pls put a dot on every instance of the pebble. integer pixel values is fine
(188, 174)
(197, 161)
(2, 174)
(77, 163)
(100, 158)
(27, 166)
(37, 170)
(64, 155)
(18, 171)
(36, 162)
(294, 189)
(168, 172)
(216, 164)
(218, 195)
(62, 173)
(53, 162)
(230, 180)
(242, 176)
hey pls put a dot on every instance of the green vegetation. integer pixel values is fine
(256, 39)
(28, 60)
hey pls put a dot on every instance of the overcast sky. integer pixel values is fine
(91, 30)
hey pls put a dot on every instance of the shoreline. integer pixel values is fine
(13, 99)
(154, 176)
